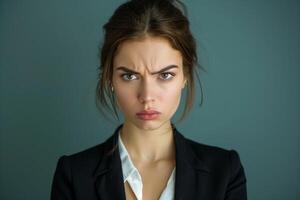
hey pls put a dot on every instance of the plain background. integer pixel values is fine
(48, 60)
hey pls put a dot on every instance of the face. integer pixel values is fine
(148, 76)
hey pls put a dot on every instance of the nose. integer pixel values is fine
(146, 92)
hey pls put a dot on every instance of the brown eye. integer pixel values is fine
(167, 75)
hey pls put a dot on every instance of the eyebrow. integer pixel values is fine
(125, 69)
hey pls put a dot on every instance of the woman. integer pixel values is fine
(148, 58)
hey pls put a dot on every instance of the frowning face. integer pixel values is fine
(148, 78)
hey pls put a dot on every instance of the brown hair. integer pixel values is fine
(135, 19)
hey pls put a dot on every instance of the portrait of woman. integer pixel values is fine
(147, 59)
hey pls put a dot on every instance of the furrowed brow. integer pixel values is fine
(125, 69)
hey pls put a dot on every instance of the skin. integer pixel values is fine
(148, 141)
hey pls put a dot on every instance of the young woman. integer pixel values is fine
(148, 58)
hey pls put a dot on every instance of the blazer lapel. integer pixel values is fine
(108, 175)
(191, 173)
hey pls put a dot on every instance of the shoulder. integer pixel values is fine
(87, 160)
(76, 170)
(82, 160)
(209, 152)
(222, 164)
(217, 159)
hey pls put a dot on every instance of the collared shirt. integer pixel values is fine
(133, 177)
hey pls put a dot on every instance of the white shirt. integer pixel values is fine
(132, 175)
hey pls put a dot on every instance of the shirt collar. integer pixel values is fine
(127, 166)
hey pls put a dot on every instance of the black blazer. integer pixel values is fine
(202, 172)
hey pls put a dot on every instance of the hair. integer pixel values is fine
(135, 19)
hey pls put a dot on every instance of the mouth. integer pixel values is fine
(148, 115)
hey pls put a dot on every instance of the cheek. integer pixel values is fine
(171, 97)
(172, 92)
(124, 98)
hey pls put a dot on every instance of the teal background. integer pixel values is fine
(48, 60)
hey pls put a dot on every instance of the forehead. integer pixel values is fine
(148, 51)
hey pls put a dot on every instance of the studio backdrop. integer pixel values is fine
(251, 89)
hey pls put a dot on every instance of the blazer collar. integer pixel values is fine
(109, 178)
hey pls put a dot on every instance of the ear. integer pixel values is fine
(184, 83)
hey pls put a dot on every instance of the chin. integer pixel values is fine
(148, 124)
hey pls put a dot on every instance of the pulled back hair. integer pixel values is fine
(135, 19)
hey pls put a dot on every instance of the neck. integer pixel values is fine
(149, 146)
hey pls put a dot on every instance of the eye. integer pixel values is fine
(127, 76)
(167, 75)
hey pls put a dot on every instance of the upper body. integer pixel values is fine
(202, 172)
(148, 58)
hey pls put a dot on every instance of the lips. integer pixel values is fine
(148, 114)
